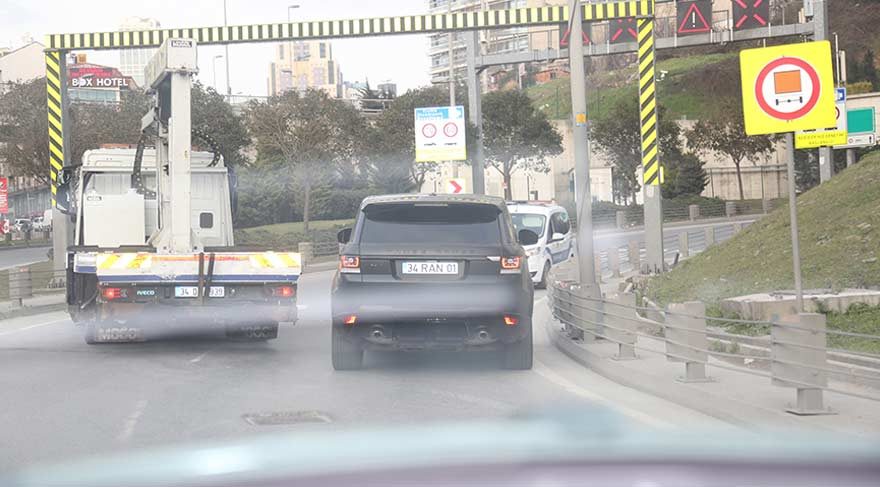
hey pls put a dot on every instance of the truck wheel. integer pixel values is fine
(346, 355)
(518, 355)
(542, 284)
(91, 335)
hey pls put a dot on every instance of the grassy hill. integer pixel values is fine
(677, 91)
(839, 236)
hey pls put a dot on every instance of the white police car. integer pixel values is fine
(555, 244)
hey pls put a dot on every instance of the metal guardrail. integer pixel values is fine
(798, 349)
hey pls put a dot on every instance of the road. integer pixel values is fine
(22, 256)
(63, 399)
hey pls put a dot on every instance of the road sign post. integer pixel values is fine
(785, 89)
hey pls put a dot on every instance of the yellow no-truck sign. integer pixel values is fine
(787, 88)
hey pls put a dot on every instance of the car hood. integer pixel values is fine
(585, 435)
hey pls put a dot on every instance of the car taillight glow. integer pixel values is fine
(511, 263)
(111, 293)
(510, 320)
(349, 263)
(284, 291)
(350, 320)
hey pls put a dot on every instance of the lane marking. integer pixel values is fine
(545, 372)
(30, 327)
(132, 420)
(198, 359)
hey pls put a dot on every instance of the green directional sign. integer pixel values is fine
(860, 120)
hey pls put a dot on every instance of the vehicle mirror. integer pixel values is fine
(527, 237)
(62, 197)
(557, 237)
(344, 235)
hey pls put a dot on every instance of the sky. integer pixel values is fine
(401, 59)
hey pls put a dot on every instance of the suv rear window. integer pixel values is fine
(435, 223)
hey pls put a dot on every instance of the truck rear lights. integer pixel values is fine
(112, 293)
(349, 264)
(283, 291)
(510, 320)
(350, 320)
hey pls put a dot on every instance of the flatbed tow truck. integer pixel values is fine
(154, 254)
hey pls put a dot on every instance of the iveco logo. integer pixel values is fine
(146, 292)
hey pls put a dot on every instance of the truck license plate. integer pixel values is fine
(193, 292)
(446, 268)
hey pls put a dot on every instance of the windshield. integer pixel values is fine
(279, 237)
(455, 224)
(529, 221)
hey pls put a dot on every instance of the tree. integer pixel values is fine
(516, 135)
(24, 141)
(212, 114)
(304, 138)
(618, 136)
(684, 175)
(725, 134)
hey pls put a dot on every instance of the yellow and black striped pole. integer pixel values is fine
(54, 87)
(648, 103)
(651, 170)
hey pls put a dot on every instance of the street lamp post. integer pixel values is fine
(218, 56)
(228, 83)
(290, 44)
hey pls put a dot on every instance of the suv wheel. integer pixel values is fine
(345, 355)
(518, 355)
(542, 284)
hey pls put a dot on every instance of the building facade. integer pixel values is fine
(303, 65)
(133, 61)
(93, 83)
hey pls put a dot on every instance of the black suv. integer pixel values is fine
(423, 271)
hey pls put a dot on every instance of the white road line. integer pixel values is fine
(38, 325)
(577, 390)
(198, 359)
(132, 420)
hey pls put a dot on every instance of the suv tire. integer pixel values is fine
(542, 284)
(345, 355)
(518, 355)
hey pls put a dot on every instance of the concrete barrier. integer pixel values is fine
(693, 212)
(798, 351)
(683, 244)
(686, 341)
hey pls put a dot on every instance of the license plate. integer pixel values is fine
(193, 292)
(443, 268)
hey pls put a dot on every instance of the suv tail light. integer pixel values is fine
(510, 265)
(349, 264)
(510, 320)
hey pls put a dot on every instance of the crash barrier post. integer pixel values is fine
(730, 208)
(620, 219)
(614, 261)
(737, 227)
(635, 256)
(798, 353)
(683, 249)
(693, 212)
(709, 236)
(305, 251)
(20, 285)
(621, 322)
(686, 340)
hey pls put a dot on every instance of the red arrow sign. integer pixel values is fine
(456, 188)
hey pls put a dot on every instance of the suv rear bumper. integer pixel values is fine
(403, 316)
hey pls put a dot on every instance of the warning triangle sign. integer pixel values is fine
(564, 40)
(693, 21)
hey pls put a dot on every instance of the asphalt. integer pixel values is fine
(62, 399)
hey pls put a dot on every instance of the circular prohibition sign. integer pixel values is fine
(429, 130)
(810, 102)
(450, 129)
